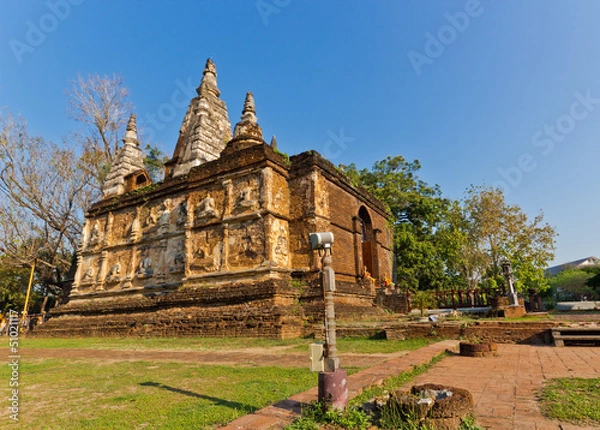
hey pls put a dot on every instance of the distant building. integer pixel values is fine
(220, 246)
(577, 264)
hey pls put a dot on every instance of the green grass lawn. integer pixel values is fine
(69, 394)
(96, 394)
(574, 400)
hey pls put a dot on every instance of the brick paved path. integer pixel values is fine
(504, 387)
(280, 414)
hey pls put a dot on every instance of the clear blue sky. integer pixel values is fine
(503, 93)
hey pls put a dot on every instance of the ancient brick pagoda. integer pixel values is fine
(220, 246)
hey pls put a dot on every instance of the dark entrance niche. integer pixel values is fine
(368, 242)
(137, 179)
(141, 181)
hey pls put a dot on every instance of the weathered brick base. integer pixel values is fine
(351, 300)
(270, 309)
(393, 300)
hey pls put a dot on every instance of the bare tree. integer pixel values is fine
(99, 102)
(43, 190)
(45, 187)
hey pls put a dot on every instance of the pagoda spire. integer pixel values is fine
(128, 159)
(205, 128)
(248, 126)
(209, 80)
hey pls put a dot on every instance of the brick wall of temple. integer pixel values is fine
(331, 203)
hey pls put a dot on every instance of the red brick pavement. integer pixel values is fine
(504, 387)
(280, 414)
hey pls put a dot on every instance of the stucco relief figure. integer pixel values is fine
(206, 259)
(206, 208)
(178, 258)
(279, 196)
(152, 218)
(166, 211)
(182, 214)
(179, 262)
(203, 258)
(114, 275)
(134, 231)
(88, 276)
(248, 245)
(108, 230)
(95, 235)
(145, 268)
(84, 237)
(281, 247)
(244, 200)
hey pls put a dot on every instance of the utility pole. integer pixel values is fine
(26, 307)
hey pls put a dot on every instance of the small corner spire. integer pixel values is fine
(131, 132)
(248, 126)
(274, 142)
(249, 111)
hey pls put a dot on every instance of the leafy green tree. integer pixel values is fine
(423, 236)
(594, 281)
(155, 162)
(498, 231)
(440, 243)
(13, 287)
(572, 284)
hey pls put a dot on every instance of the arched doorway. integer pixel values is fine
(368, 247)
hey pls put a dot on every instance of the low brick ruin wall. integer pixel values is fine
(531, 333)
(395, 301)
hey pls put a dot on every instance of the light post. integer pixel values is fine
(508, 275)
(333, 386)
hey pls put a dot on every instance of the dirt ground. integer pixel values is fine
(278, 356)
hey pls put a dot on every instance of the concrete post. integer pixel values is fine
(333, 386)
(332, 362)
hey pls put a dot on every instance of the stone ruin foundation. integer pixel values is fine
(220, 246)
(483, 349)
(437, 406)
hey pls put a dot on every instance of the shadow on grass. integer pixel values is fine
(217, 401)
